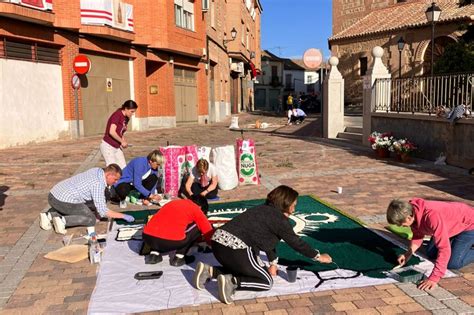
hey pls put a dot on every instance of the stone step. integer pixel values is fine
(354, 129)
(350, 136)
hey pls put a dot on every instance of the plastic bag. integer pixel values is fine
(224, 161)
(174, 168)
(247, 162)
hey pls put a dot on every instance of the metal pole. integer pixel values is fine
(432, 63)
(76, 105)
(321, 98)
(399, 79)
(432, 46)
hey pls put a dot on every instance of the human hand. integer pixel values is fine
(128, 218)
(426, 285)
(124, 143)
(273, 270)
(402, 259)
(155, 197)
(325, 259)
(146, 202)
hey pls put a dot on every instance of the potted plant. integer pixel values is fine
(381, 143)
(403, 148)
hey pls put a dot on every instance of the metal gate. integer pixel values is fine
(98, 99)
(185, 93)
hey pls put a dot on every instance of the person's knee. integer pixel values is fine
(455, 264)
(90, 221)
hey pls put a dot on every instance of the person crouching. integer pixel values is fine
(177, 226)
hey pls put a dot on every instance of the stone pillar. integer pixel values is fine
(333, 108)
(377, 71)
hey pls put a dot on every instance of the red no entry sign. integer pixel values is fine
(312, 58)
(75, 82)
(81, 64)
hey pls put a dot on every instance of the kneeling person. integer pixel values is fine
(237, 245)
(202, 180)
(75, 200)
(177, 226)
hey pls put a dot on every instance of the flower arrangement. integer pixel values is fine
(402, 146)
(381, 140)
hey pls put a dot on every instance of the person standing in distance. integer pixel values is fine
(114, 141)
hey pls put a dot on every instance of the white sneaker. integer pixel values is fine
(45, 221)
(59, 224)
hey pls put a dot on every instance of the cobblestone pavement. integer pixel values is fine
(291, 155)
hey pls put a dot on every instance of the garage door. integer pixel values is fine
(98, 99)
(185, 95)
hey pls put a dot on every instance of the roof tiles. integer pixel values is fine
(404, 15)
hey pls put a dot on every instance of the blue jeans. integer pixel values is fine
(462, 250)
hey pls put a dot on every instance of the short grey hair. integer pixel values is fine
(398, 211)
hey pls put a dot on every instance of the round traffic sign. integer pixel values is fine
(75, 82)
(312, 58)
(81, 64)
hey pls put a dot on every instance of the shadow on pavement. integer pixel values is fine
(3, 196)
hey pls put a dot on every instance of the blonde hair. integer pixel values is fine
(398, 211)
(202, 166)
(156, 156)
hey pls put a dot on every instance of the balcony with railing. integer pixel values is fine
(107, 18)
(34, 11)
(425, 94)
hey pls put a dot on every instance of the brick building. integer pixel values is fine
(358, 26)
(169, 56)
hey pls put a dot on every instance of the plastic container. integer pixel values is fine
(407, 274)
(94, 250)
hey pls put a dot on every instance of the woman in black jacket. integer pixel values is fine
(237, 244)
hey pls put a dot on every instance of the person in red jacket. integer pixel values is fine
(177, 226)
(451, 225)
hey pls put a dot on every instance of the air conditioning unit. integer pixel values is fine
(205, 5)
(240, 67)
(237, 67)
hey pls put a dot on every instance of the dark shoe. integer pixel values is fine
(202, 274)
(226, 288)
(178, 262)
(153, 259)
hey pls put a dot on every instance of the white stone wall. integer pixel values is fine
(31, 103)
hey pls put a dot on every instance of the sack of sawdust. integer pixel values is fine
(70, 254)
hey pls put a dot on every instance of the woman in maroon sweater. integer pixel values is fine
(114, 141)
(177, 226)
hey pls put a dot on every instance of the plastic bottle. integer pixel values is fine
(94, 249)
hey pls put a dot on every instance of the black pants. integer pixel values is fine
(122, 190)
(163, 245)
(196, 189)
(297, 118)
(244, 266)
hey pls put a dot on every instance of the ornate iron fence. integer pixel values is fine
(425, 94)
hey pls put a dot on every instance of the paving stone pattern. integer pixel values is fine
(290, 155)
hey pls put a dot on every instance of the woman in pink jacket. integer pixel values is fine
(451, 225)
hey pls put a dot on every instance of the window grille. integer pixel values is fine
(10, 49)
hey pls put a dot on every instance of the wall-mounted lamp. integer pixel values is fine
(171, 59)
(252, 54)
(233, 34)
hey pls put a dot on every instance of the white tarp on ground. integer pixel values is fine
(117, 292)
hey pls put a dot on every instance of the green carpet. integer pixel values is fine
(352, 246)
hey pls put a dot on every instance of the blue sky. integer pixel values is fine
(296, 25)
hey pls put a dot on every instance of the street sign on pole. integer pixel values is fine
(312, 58)
(75, 82)
(81, 64)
